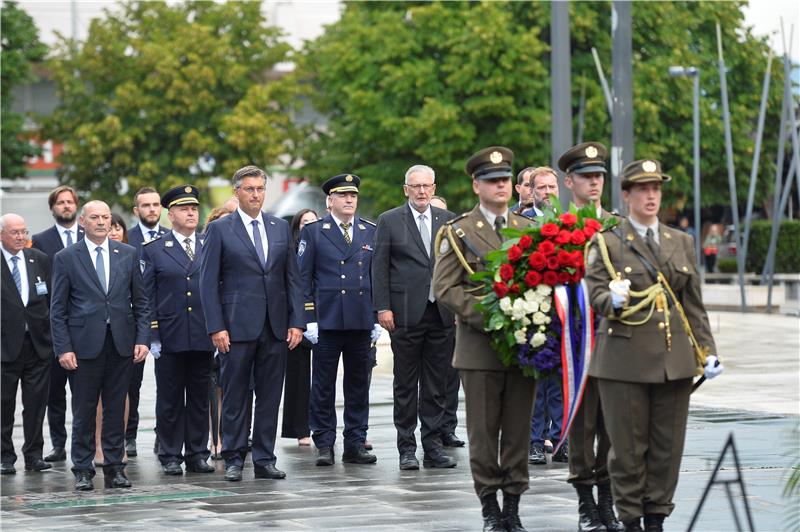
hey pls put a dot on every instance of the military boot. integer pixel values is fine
(511, 513)
(588, 518)
(605, 508)
(492, 518)
(654, 522)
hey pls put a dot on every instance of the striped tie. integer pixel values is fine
(188, 248)
(15, 274)
(346, 226)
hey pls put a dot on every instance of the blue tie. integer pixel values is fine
(15, 275)
(152, 234)
(101, 268)
(69, 237)
(257, 243)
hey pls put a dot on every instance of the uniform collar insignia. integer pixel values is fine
(168, 244)
(326, 225)
(479, 224)
(362, 227)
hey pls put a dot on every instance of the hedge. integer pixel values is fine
(787, 258)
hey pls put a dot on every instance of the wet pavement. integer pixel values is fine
(756, 401)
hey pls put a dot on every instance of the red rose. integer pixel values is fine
(533, 278)
(592, 224)
(501, 289)
(564, 258)
(549, 230)
(515, 288)
(563, 237)
(546, 247)
(525, 241)
(578, 238)
(537, 260)
(550, 278)
(506, 272)
(568, 219)
(564, 277)
(514, 253)
(552, 263)
(577, 276)
(589, 232)
(577, 259)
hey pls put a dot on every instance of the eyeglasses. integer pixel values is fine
(19, 232)
(422, 186)
(253, 190)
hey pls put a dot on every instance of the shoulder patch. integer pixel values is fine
(159, 236)
(301, 248)
(444, 246)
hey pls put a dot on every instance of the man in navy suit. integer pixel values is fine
(147, 208)
(422, 331)
(335, 256)
(183, 350)
(251, 294)
(544, 183)
(63, 202)
(99, 321)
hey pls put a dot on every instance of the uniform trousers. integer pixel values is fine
(296, 392)
(34, 372)
(585, 465)
(182, 405)
(646, 423)
(354, 348)
(134, 391)
(57, 403)
(548, 406)
(451, 387)
(499, 405)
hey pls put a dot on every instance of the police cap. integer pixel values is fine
(585, 158)
(341, 183)
(180, 195)
(493, 162)
(642, 171)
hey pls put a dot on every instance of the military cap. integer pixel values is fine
(180, 195)
(585, 158)
(493, 162)
(341, 183)
(642, 171)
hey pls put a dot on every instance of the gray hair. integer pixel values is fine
(247, 171)
(420, 168)
(8, 217)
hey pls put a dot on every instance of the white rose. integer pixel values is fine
(538, 339)
(531, 307)
(525, 321)
(544, 289)
(545, 306)
(547, 320)
(539, 318)
(505, 305)
(520, 335)
(530, 295)
(518, 309)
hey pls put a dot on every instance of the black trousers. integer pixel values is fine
(421, 358)
(296, 390)
(182, 405)
(105, 376)
(134, 390)
(57, 403)
(34, 373)
(452, 385)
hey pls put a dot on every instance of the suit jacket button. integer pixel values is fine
(610, 330)
(661, 325)
(189, 309)
(341, 262)
(188, 293)
(188, 278)
(343, 291)
(342, 276)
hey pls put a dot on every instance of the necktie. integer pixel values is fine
(257, 243)
(650, 240)
(425, 234)
(15, 274)
(188, 247)
(346, 233)
(152, 234)
(499, 223)
(69, 237)
(100, 266)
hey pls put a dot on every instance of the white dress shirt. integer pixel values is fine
(91, 246)
(193, 240)
(146, 232)
(248, 225)
(62, 232)
(338, 223)
(427, 214)
(490, 216)
(23, 273)
(641, 229)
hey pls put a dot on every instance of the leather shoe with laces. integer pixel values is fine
(511, 513)
(451, 440)
(37, 465)
(7, 468)
(436, 458)
(199, 466)
(537, 456)
(116, 479)
(172, 468)
(269, 471)
(325, 456)
(358, 456)
(562, 455)
(408, 462)
(233, 473)
(83, 480)
(58, 454)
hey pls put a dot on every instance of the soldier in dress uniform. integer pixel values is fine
(171, 267)
(499, 399)
(335, 257)
(653, 338)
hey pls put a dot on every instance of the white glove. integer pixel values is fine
(155, 349)
(312, 332)
(713, 367)
(620, 292)
(376, 333)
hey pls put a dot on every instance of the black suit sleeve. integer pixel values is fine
(380, 265)
(59, 306)
(149, 280)
(141, 304)
(294, 286)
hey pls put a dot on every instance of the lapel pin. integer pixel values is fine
(116, 251)
(326, 226)
(271, 222)
(30, 260)
(168, 244)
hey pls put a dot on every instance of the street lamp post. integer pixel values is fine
(694, 73)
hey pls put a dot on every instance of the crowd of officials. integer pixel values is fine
(255, 308)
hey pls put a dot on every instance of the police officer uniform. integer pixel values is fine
(647, 351)
(335, 269)
(171, 268)
(499, 399)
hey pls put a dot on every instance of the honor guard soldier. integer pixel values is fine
(653, 338)
(335, 256)
(171, 268)
(499, 399)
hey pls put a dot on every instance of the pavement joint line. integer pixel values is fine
(68, 500)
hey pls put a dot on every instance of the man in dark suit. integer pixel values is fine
(63, 202)
(524, 190)
(147, 208)
(183, 350)
(335, 256)
(251, 294)
(99, 318)
(421, 330)
(26, 350)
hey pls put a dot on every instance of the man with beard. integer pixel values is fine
(543, 182)
(63, 202)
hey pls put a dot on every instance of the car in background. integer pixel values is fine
(301, 196)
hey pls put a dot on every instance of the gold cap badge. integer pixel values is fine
(348, 178)
(649, 166)
(496, 157)
(591, 152)
(188, 190)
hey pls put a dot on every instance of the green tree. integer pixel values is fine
(403, 83)
(160, 94)
(21, 48)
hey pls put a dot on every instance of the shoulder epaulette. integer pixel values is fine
(457, 218)
(313, 222)
(157, 237)
(370, 222)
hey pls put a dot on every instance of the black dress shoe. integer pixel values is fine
(537, 456)
(269, 471)
(451, 440)
(58, 454)
(37, 465)
(436, 458)
(233, 473)
(358, 456)
(563, 454)
(83, 480)
(408, 462)
(7, 468)
(199, 466)
(172, 468)
(116, 479)
(130, 447)
(325, 456)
